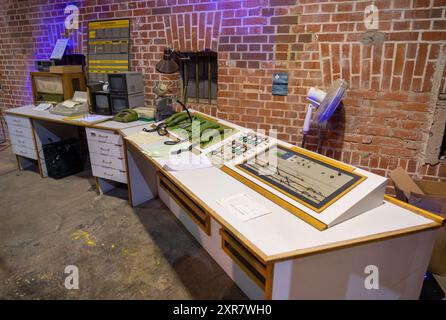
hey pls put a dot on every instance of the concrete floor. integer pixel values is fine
(121, 252)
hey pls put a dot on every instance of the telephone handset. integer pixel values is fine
(126, 115)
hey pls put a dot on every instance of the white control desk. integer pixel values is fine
(279, 256)
(276, 256)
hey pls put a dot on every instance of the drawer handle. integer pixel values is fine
(108, 174)
(16, 121)
(107, 162)
(20, 141)
(101, 136)
(106, 150)
(19, 131)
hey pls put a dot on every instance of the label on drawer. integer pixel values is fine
(18, 121)
(22, 142)
(105, 136)
(106, 149)
(107, 161)
(108, 173)
(20, 131)
(24, 152)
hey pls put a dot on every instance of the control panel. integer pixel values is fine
(238, 147)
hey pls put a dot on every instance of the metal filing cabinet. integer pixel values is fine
(106, 154)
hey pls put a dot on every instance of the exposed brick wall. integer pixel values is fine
(387, 111)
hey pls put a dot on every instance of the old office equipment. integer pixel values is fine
(119, 102)
(163, 103)
(108, 48)
(310, 181)
(125, 83)
(73, 107)
(101, 103)
(320, 191)
(55, 87)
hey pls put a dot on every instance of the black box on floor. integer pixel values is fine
(63, 158)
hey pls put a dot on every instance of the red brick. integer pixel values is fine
(281, 2)
(281, 20)
(434, 36)
(313, 41)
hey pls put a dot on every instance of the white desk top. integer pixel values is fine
(30, 112)
(282, 235)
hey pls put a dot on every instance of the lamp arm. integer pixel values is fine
(185, 108)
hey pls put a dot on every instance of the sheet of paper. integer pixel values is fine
(187, 161)
(91, 118)
(59, 49)
(160, 150)
(244, 207)
(94, 118)
(144, 138)
(70, 103)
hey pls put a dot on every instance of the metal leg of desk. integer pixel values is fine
(143, 184)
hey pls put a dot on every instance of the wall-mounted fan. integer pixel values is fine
(324, 103)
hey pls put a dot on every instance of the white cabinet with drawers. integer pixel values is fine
(106, 154)
(21, 136)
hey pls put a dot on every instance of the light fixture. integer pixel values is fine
(167, 65)
(170, 64)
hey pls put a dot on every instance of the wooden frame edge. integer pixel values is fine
(350, 243)
(126, 161)
(39, 163)
(429, 215)
(269, 281)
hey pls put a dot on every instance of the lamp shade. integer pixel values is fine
(167, 65)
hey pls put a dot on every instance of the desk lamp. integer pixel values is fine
(169, 64)
(325, 104)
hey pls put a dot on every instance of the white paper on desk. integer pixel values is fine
(243, 206)
(144, 137)
(187, 161)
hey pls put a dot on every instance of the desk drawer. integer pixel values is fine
(107, 161)
(195, 211)
(105, 136)
(109, 173)
(24, 152)
(245, 259)
(17, 121)
(106, 149)
(22, 142)
(20, 131)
